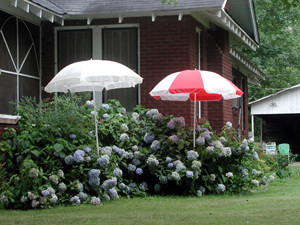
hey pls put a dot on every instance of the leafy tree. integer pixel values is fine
(278, 55)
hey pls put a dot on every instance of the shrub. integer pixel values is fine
(52, 159)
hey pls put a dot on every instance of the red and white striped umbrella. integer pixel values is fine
(205, 85)
(196, 85)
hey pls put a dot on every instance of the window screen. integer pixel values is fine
(120, 45)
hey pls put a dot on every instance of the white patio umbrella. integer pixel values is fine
(196, 85)
(93, 75)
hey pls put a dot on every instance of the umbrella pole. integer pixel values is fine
(194, 139)
(96, 122)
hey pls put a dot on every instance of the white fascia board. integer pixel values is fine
(36, 10)
(221, 18)
(246, 63)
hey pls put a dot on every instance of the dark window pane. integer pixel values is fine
(8, 43)
(27, 51)
(8, 93)
(29, 87)
(73, 46)
(120, 45)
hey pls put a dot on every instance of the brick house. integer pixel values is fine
(152, 38)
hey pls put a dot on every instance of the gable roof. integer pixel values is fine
(274, 94)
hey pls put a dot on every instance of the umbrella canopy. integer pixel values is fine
(196, 85)
(93, 75)
(81, 76)
(205, 85)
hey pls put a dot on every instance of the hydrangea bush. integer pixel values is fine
(51, 158)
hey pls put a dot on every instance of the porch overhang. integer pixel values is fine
(241, 63)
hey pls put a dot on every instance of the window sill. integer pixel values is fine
(8, 119)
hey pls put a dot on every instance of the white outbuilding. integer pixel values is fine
(279, 115)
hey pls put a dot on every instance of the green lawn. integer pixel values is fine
(277, 203)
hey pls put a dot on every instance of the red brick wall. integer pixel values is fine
(3, 126)
(167, 45)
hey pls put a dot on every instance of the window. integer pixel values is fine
(120, 45)
(73, 46)
(99, 42)
(19, 61)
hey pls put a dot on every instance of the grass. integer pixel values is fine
(277, 203)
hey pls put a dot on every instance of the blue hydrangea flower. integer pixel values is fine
(56, 154)
(90, 104)
(135, 148)
(163, 179)
(189, 174)
(200, 141)
(192, 155)
(131, 185)
(136, 162)
(91, 133)
(94, 173)
(45, 193)
(124, 137)
(123, 111)
(34, 203)
(75, 199)
(118, 172)
(199, 193)
(131, 168)
(180, 121)
(62, 187)
(95, 201)
(53, 199)
(171, 124)
(202, 189)
(229, 174)
(86, 149)
(155, 145)
(53, 179)
(51, 190)
(94, 181)
(229, 124)
(157, 187)
(124, 128)
(33, 173)
(105, 116)
(221, 188)
(105, 198)
(139, 171)
(69, 159)
(149, 138)
(175, 176)
(157, 117)
(151, 113)
(103, 160)
(168, 159)
(105, 106)
(3, 199)
(210, 150)
(82, 196)
(106, 150)
(109, 184)
(255, 156)
(113, 193)
(206, 135)
(122, 186)
(152, 161)
(79, 156)
(143, 186)
(173, 139)
(170, 165)
(73, 136)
